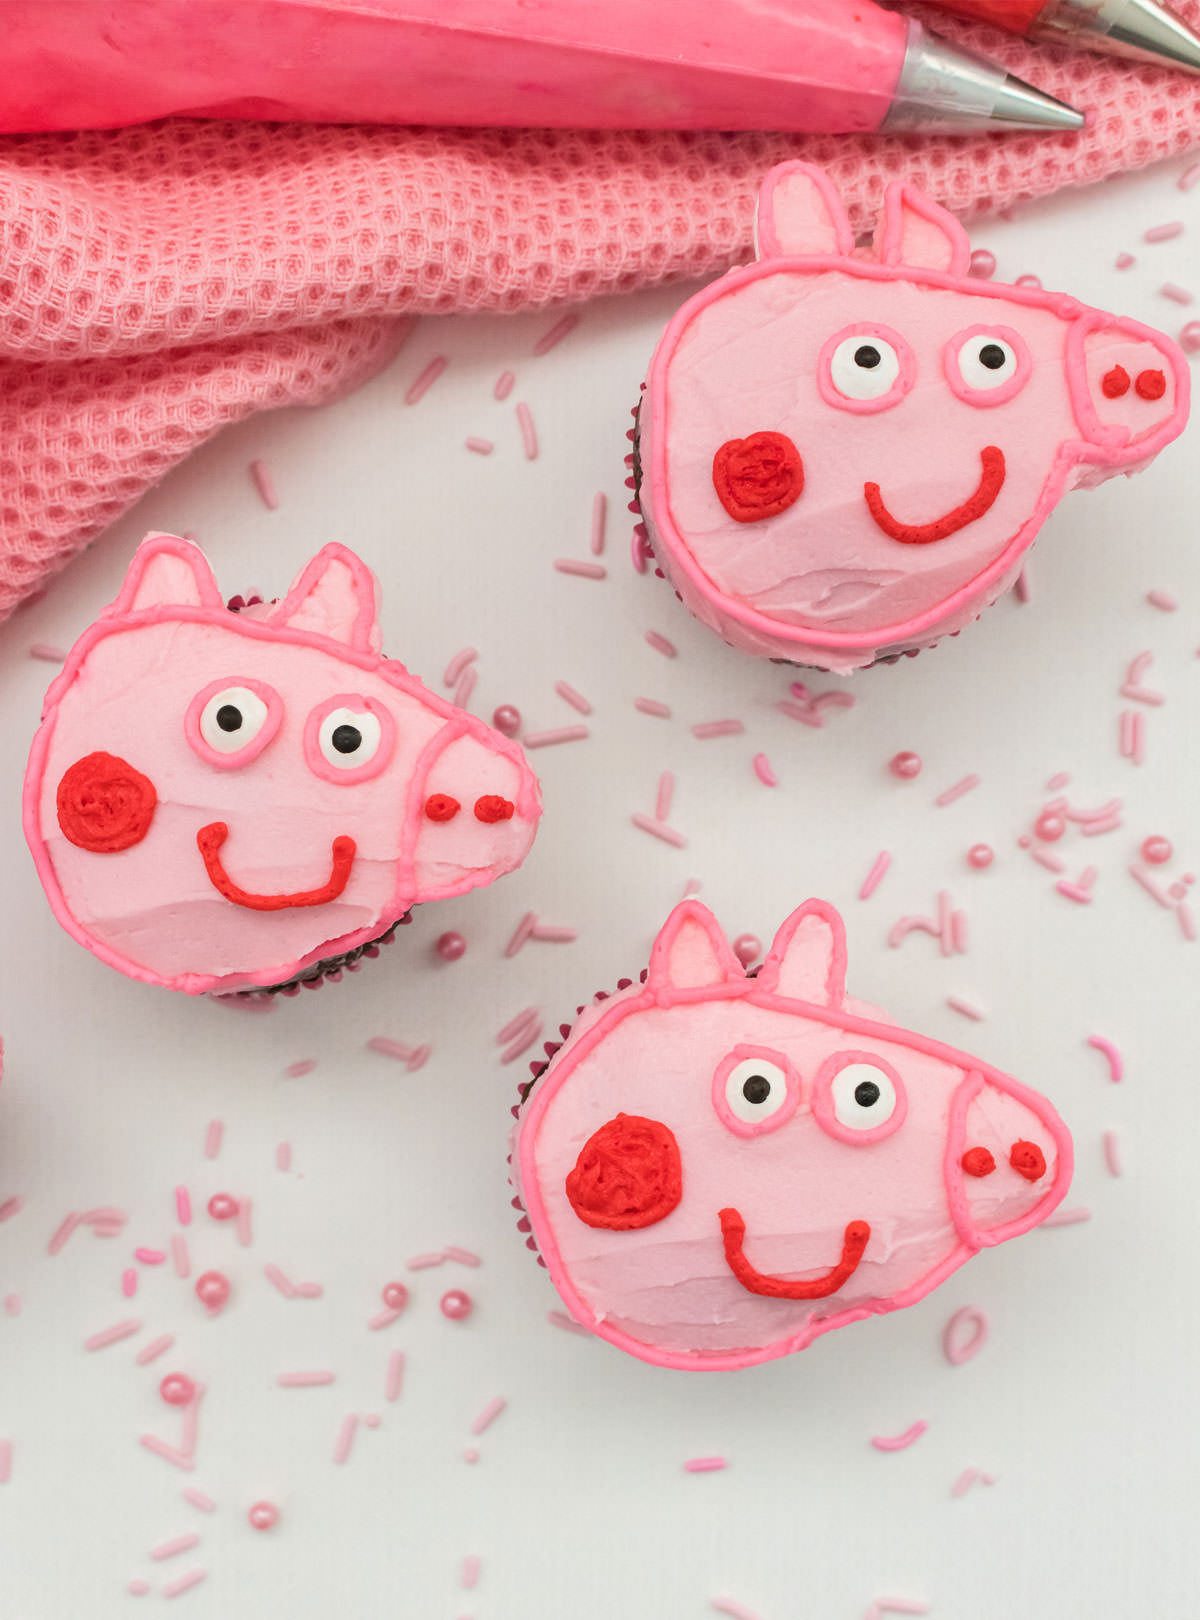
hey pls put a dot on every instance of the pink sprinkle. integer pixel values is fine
(561, 734)
(157, 1347)
(244, 1235)
(522, 1042)
(184, 1583)
(949, 795)
(10, 1207)
(735, 1610)
(661, 644)
(1067, 1217)
(1177, 294)
(553, 935)
(12, 1304)
(6, 1451)
(1124, 261)
(180, 1258)
(599, 522)
(395, 1375)
(1116, 1067)
(1189, 177)
(149, 1257)
(383, 1319)
(504, 385)
(113, 1335)
(903, 926)
(875, 876)
(489, 1414)
(1047, 858)
(171, 1454)
(345, 1441)
(718, 728)
(571, 696)
(199, 1499)
(386, 1047)
(666, 792)
(967, 1008)
(422, 1262)
(982, 264)
(514, 1024)
(283, 1156)
(1152, 889)
(480, 447)
(1074, 891)
(900, 1442)
(965, 1480)
(560, 330)
(1164, 233)
(302, 1067)
(212, 1138)
(467, 655)
(1057, 781)
(658, 829)
(704, 1465)
(964, 1335)
(264, 484)
(1162, 600)
(585, 570)
(58, 1242)
(309, 1290)
(470, 1572)
(175, 1546)
(305, 1380)
(894, 1605)
(520, 934)
(279, 1280)
(464, 1257)
(762, 769)
(466, 685)
(560, 1319)
(652, 706)
(427, 379)
(129, 1282)
(528, 432)
(1112, 1152)
(1187, 923)
(48, 655)
(470, 1455)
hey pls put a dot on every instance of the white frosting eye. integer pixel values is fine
(349, 738)
(755, 1089)
(864, 366)
(232, 719)
(863, 1097)
(986, 361)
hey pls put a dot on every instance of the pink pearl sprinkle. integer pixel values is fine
(450, 947)
(747, 948)
(1049, 828)
(395, 1296)
(263, 1515)
(212, 1289)
(177, 1389)
(1156, 850)
(223, 1206)
(905, 765)
(1028, 281)
(1190, 337)
(456, 1304)
(507, 720)
(983, 264)
(980, 856)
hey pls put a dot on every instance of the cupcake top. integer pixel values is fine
(219, 800)
(845, 452)
(717, 1167)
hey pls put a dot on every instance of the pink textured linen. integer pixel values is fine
(161, 281)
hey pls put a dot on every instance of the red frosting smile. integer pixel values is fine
(211, 838)
(991, 480)
(733, 1230)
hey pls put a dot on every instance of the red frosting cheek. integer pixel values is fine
(104, 805)
(757, 477)
(627, 1175)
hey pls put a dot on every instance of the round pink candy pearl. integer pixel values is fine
(507, 720)
(982, 265)
(1049, 828)
(395, 1296)
(212, 1289)
(1190, 337)
(176, 1389)
(263, 1515)
(1156, 850)
(905, 765)
(1028, 281)
(457, 1305)
(980, 856)
(747, 948)
(450, 947)
(222, 1206)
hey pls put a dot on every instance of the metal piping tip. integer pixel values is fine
(944, 87)
(1140, 29)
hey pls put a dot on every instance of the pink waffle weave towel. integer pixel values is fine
(161, 281)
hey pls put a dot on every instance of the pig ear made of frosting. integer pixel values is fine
(691, 953)
(807, 959)
(167, 571)
(799, 213)
(335, 595)
(915, 230)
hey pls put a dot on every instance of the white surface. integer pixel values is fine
(1084, 1400)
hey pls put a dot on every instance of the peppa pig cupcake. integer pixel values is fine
(842, 455)
(716, 1167)
(225, 801)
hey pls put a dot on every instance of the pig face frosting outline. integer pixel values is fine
(718, 1168)
(217, 801)
(848, 452)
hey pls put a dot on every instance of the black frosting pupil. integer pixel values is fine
(992, 356)
(229, 717)
(868, 356)
(346, 739)
(757, 1089)
(866, 1093)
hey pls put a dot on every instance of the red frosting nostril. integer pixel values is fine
(1114, 383)
(757, 477)
(104, 805)
(491, 807)
(1028, 1160)
(441, 807)
(1151, 384)
(977, 1161)
(628, 1175)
